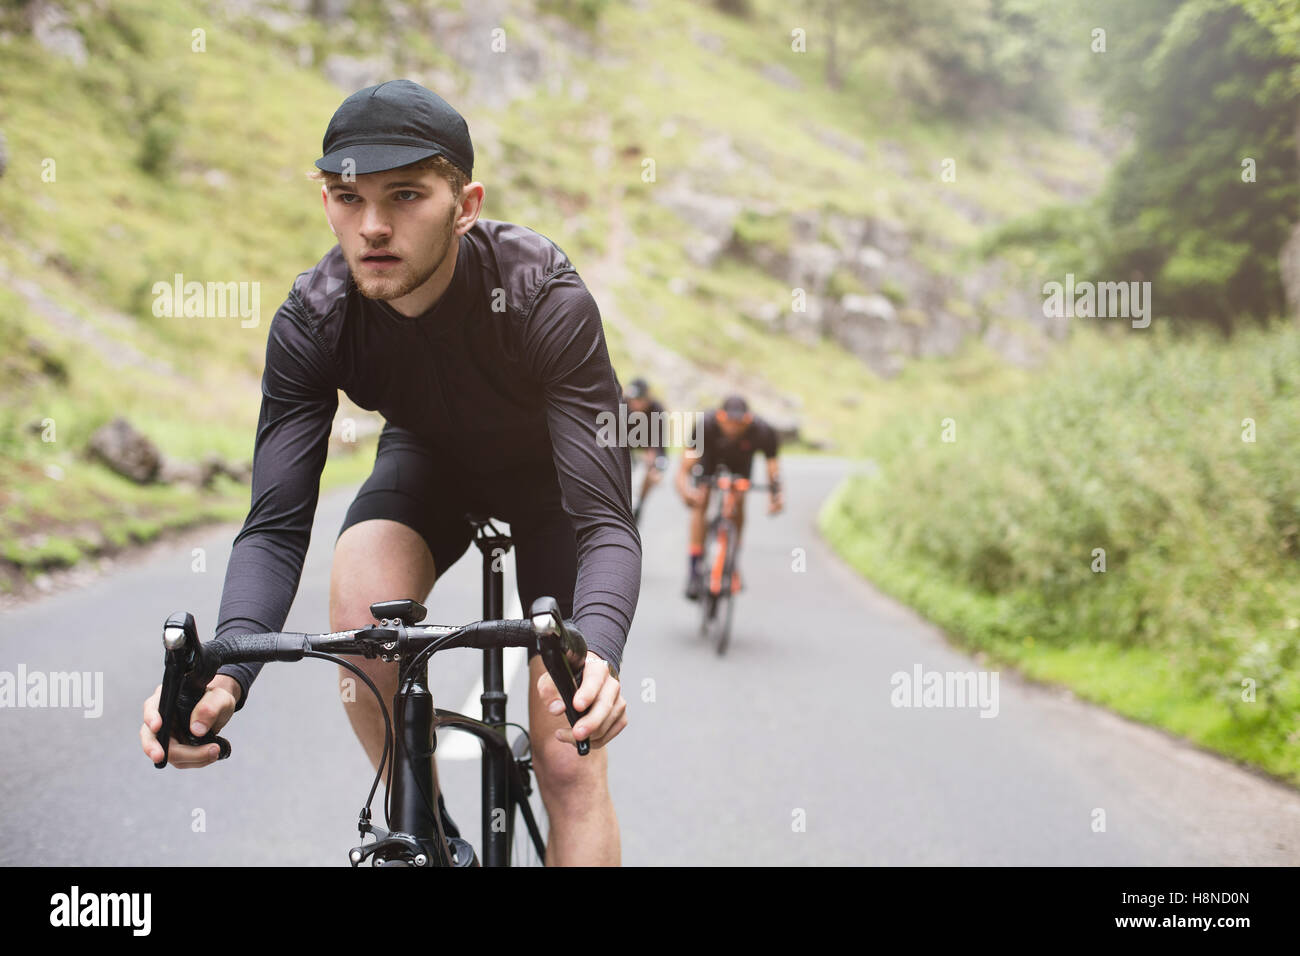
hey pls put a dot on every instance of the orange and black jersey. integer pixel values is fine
(738, 454)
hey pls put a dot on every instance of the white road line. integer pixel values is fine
(454, 745)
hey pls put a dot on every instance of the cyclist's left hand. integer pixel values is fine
(601, 691)
(775, 503)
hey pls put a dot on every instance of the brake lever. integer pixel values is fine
(167, 703)
(550, 646)
(557, 661)
(180, 692)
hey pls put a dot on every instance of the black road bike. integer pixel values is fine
(418, 831)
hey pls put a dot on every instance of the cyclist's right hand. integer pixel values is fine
(212, 712)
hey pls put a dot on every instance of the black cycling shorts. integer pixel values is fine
(432, 495)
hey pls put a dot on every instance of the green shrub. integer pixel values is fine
(1132, 448)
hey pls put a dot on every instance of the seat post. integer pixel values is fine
(494, 545)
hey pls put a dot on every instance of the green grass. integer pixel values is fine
(112, 512)
(1132, 444)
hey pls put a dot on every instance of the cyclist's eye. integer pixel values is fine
(346, 198)
(411, 193)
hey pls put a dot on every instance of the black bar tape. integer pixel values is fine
(260, 648)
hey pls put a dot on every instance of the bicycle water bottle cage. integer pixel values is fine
(409, 612)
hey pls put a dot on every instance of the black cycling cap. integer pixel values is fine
(637, 388)
(735, 407)
(391, 125)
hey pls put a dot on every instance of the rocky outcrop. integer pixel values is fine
(860, 282)
(52, 28)
(712, 217)
(856, 281)
(126, 451)
(203, 473)
(779, 75)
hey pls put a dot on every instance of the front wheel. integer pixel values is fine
(724, 627)
(708, 609)
(525, 816)
(728, 598)
(713, 541)
(720, 555)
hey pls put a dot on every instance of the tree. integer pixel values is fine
(1206, 195)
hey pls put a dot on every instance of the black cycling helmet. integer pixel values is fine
(637, 388)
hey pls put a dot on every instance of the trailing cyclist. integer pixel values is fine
(730, 436)
(638, 399)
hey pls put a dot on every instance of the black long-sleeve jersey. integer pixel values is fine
(509, 368)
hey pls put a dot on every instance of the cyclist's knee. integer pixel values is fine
(353, 690)
(564, 776)
(377, 560)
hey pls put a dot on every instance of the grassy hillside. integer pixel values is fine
(158, 168)
(167, 160)
(1134, 445)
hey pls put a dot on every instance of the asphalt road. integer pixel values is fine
(788, 750)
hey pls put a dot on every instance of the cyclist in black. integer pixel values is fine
(483, 350)
(730, 436)
(639, 401)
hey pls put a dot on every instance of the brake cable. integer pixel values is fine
(388, 729)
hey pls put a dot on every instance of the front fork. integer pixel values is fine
(420, 839)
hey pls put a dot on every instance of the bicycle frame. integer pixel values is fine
(498, 758)
(717, 581)
(730, 488)
(504, 784)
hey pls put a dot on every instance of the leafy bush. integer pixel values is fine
(1135, 448)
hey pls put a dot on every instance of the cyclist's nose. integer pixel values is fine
(374, 224)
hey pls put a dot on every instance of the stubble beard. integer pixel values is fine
(408, 276)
